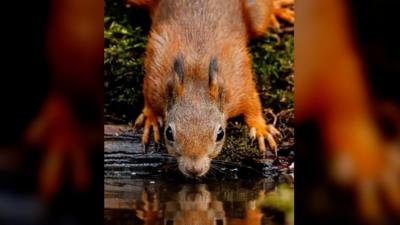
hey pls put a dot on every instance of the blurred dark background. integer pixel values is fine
(369, 30)
(375, 25)
(51, 146)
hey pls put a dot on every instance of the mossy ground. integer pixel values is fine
(125, 33)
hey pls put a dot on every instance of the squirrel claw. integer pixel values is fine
(272, 143)
(138, 122)
(273, 131)
(149, 122)
(269, 134)
(146, 131)
(252, 133)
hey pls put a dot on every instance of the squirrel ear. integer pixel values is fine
(212, 73)
(215, 82)
(175, 85)
(178, 69)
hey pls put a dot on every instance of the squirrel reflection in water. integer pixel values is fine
(197, 204)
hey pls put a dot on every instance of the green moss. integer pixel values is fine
(124, 46)
(273, 68)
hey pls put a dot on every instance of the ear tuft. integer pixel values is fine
(179, 67)
(216, 84)
(212, 72)
(175, 84)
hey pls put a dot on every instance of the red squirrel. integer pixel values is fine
(198, 75)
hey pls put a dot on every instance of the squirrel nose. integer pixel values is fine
(194, 172)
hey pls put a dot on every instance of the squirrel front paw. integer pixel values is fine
(148, 120)
(268, 132)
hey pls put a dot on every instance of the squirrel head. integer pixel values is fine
(195, 123)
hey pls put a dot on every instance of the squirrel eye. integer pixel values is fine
(220, 134)
(169, 134)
